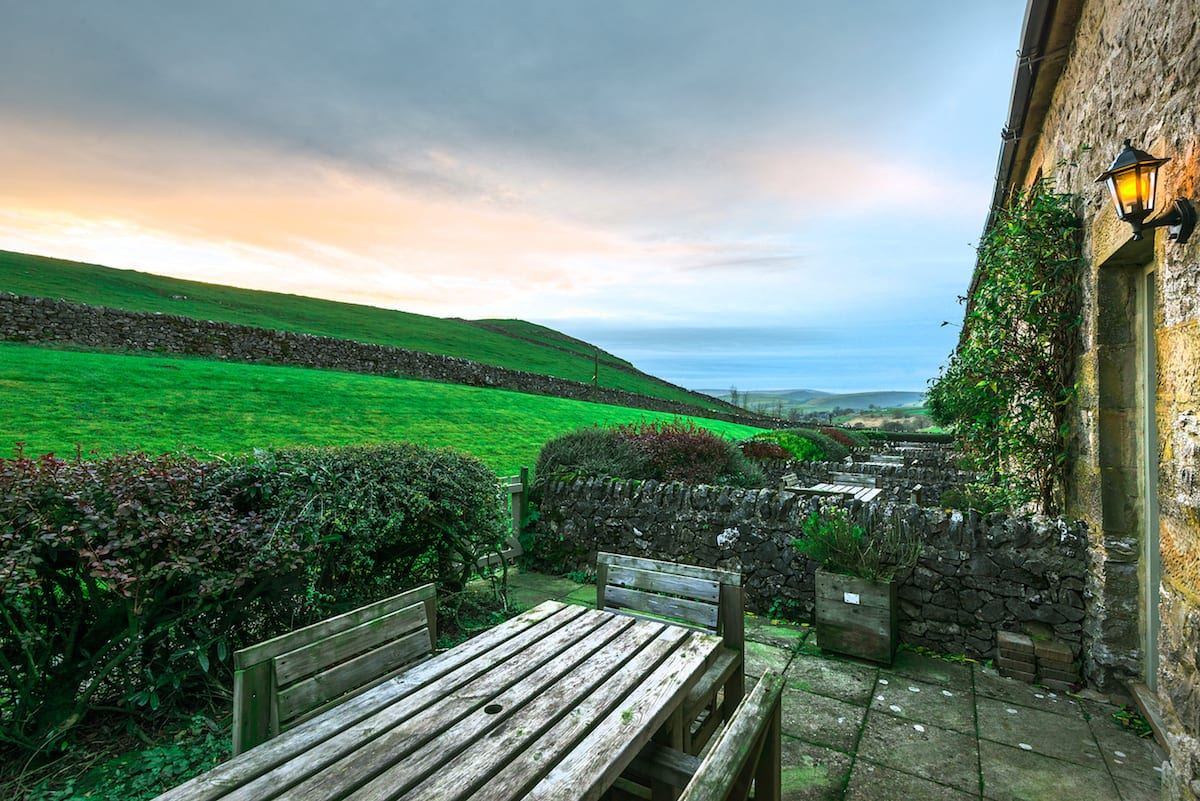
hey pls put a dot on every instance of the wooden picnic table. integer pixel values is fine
(553, 704)
(849, 491)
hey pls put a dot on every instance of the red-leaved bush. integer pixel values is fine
(838, 436)
(761, 450)
(127, 582)
(680, 451)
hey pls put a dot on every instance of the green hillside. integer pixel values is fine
(53, 400)
(127, 289)
(813, 400)
(548, 336)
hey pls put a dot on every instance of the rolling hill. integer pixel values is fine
(814, 400)
(56, 400)
(514, 344)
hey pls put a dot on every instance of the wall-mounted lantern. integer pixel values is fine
(1132, 180)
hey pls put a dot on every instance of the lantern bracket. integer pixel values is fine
(1180, 221)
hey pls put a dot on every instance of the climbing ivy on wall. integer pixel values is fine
(1008, 387)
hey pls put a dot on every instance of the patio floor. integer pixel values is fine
(925, 728)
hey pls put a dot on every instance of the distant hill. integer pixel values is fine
(515, 344)
(815, 400)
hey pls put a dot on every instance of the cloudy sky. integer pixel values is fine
(767, 194)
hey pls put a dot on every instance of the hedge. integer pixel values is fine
(126, 583)
(806, 444)
(675, 451)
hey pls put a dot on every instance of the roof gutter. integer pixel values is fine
(1035, 31)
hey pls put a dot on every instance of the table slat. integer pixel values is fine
(364, 760)
(453, 667)
(448, 769)
(613, 741)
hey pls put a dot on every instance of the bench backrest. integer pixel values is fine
(703, 597)
(747, 751)
(788, 480)
(291, 678)
(854, 479)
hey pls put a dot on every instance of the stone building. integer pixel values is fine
(1090, 74)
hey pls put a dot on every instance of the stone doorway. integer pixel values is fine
(1150, 569)
(1128, 565)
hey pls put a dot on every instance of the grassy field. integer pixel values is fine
(55, 399)
(528, 330)
(127, 289)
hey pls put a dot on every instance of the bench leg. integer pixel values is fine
(672, 735)
(767, 774)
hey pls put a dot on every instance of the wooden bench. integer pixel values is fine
(702, 597)
(746, 754)
(848, 492)
(291, 678)
(854, 479)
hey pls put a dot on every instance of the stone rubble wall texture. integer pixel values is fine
(1133, 71)
(976, 575)
(49, 320)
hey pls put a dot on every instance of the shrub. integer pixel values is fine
(806, 444)
(761, 450)
(591, 451)
(839, 436)
(983, 498)
(672, 451)
(680, 452)
(843, 547)
(127, 582)
(382, 517)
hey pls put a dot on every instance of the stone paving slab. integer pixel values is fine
(1046, 733)
(925, 703)
(921, 749)
(822, 721)
(990, 683)
(1010, 774)
(783, 635)
(934, 671)
(812, 773)
(871, 782)
(847, 681)
(760, 657)
(1135, 791)
(1126, 754)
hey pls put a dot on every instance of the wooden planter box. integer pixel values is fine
(856, 617)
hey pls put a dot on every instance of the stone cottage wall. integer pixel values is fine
(976, 575)
(1133, 71)
(48, 320)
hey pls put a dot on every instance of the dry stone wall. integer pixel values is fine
(895, 479)
(976, 575)
(48, 320)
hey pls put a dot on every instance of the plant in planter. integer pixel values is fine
(855, 585)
